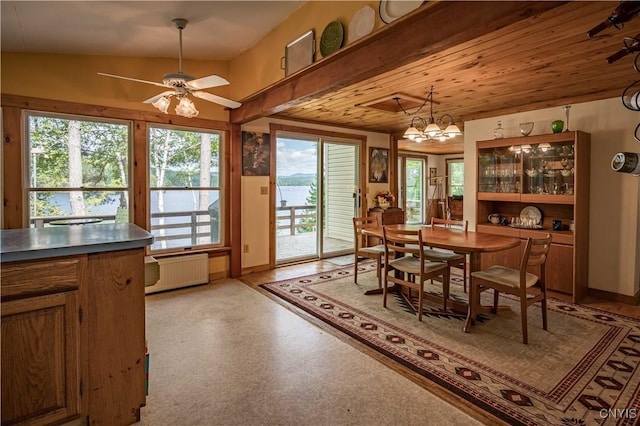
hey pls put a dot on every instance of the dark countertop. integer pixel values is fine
(40, 243)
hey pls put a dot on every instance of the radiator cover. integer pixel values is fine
(181, 271)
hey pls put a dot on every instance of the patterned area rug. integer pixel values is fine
(582, 371)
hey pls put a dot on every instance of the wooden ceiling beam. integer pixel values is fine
(430, 29)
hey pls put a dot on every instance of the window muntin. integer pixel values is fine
(185, 187)
(77, 167)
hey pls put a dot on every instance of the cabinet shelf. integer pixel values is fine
(553, 178)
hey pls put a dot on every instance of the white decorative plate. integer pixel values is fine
(390, 10)
(362, 23)
(532, 213)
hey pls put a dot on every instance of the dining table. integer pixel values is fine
(458, 241)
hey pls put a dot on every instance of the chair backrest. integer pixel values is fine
(449, 223)
(535, 254)
(402, 241)
(360, 223)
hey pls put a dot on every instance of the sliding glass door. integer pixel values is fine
(316, 181)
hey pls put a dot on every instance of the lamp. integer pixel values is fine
(185, 106)
(162, 104)
(421, 129)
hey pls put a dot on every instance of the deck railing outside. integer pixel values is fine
(201, 224)
(292, 219)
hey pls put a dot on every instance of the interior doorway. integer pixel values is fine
(317, 186)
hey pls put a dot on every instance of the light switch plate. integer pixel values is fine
(264, 190)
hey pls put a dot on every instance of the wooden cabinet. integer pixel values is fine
(548, 172)
(41, 369)
(390, 216)
(73, 339)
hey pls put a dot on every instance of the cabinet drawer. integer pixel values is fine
(38, 277)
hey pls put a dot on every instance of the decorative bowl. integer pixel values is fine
(526, 128)
(567, 173)
(531, 172)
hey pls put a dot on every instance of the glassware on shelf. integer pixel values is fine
(498, 132)
(526, 128)
(566, 109)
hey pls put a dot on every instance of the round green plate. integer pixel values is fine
(331, 39)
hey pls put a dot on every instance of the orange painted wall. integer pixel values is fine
(74, 78)
(260, 66)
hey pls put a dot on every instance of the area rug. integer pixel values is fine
(582, 371)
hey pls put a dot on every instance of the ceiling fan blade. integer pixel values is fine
(133, 79)
(156, 97)
(216, 99)
(207, 82)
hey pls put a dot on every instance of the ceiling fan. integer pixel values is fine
(182, 85)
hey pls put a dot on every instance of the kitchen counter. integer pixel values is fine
(40, 243)
(72, 303)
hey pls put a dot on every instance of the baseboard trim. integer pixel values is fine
(614, 297)
(258, 268)
(218, 275)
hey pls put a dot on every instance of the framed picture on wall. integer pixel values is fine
(255, 154)
(433, 173)
(378, 165)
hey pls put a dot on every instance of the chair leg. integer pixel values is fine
(446, 279)
(379, 271)
(420, 301)
(523, 315)
(384, 289)
(544, 313)
(355, 270)
(496, 295)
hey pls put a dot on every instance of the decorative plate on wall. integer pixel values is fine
(331, 39)
(362, 23)
(390, 10)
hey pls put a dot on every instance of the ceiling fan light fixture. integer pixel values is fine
(186, 108)
(162, 104)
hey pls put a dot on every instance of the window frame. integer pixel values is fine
(26, 159)
(223, 176)
(448, 162)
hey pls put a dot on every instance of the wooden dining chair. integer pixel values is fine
(362, 249)
(452, 259)
(530, 288)
(405, 265)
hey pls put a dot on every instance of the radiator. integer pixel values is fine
(181, 271)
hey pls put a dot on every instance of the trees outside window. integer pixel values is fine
(455, 177)
(185, 181)
(77, 167)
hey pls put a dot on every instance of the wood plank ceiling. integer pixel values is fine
(542, 61)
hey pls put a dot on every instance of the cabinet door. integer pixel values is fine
(40, 364)
(559, 268)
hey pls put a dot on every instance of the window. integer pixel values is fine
(455, 177)
(77, 168)
(185, 184)
(412, 194)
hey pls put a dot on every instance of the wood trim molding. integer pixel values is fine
(235, 203)
(399, 43)
(614, 297)
(63, 107)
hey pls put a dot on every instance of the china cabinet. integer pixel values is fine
(537, 185)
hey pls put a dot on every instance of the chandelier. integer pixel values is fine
(185, 106)
(420, 129)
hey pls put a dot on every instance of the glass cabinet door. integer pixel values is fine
(499, 170)
(549, 169)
